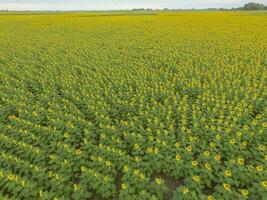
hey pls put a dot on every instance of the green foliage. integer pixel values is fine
(95, 103)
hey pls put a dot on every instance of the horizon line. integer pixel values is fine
(132, 9)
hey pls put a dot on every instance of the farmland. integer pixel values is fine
(133, 106)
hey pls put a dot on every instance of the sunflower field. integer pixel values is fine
(133, 106)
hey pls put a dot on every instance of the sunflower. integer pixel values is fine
(194, 163)
(196, 178)
(244, 192)
(240, 161)
(78, 152)
(124, 186)
(206, 153)
(185, 190)
(207, 166)
(178, 157)
(259, 168)
(158, 181)
(217, 157)
(227, 173)
(83, 168)
(210, 197)
(226, 186)
(189, 148)
(108, 163)
(264, 184)
(125, 168)
(232, 141)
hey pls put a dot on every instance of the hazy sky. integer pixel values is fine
(117, 4)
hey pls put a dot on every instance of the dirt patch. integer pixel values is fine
(171, 184)
(118, 181)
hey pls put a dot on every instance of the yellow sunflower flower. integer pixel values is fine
(207, 166)
(210, 197)
(206, 153)
(232, 141)
(264, 184)
(226, 186)
(189, 148)
(218, 157)
(259, 168)
(194, 163)
(178, 157)
(126, 168)
(227, 173)
(244, 192)
(185, 190)
(196, 178)
(108, 163)
(240, 161)
(158, 181)
(124, 186)
(78, 152)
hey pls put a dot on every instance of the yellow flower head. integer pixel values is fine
(156, 150)
(124, 186)
(75, 187)
(106, 178)
(126, 168)
(66, 135)
(100, 159)
(185, 190)
(239, 133)
(227, 173)
(149, 149)
(189, 148)
(78, 151)
(226, 186)
(244, 192)
(53, 157)
(245, 143)
(232, 141)
(218, 157)
(264, 184)
(178, 157)
(259, 168)
(206, 153)
(136, 146)
(11, 177)
(207, 166)
(83, 168)
(108, 163)
(212, 144)
(23, 183)
(240, 161)
(158, 181)
(136, 171)
(210, 197)
(177, 144)
(137, 159)
(261, 147)
(194, 163)
(196, 178)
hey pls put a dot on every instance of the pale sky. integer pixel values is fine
(118, 4)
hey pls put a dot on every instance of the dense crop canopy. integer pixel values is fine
(133, 107)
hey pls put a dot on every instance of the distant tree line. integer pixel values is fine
(253, 6)
(248, 6)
